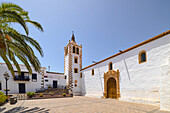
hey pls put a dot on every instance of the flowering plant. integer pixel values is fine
(7, 90)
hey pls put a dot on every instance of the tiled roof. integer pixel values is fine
(54, 73)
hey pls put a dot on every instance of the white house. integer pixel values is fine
(21, 83)
(25, 82)
(55, 80)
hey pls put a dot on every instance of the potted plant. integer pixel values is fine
(51, 93)
(71, 94)
(64, 94)
(41, 95)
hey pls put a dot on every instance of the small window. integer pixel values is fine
(80, 75)
(16, 74)
(77, 50)
(45, 76)
(75, 70)
(34, 77)
(65, 77)
(110, 66)
(74, 49)
(75, 85)
(0, 86)
(92, 72)
(142, 56)
(75, 60)
(75, 81)
(46, 80)
(26, 75)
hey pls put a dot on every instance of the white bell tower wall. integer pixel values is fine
(73, 65)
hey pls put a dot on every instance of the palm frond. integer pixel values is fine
(34, 43)
(36, 24)
(10, 6)
(21, 38)
(24, 60)
(29, 54)
(8, 63)
(12, 58)
(15, 16)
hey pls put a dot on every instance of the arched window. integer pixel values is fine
(110, 66)
(77, 50)
(74, 49)
(142, 56)
(92, 72)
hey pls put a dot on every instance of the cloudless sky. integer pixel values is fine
(103, 27)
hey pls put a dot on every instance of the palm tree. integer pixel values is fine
(14, 44)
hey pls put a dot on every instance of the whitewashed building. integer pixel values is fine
(140, 73)
(55, 80)
(25, 82)
(21, 83)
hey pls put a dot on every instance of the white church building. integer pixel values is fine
(140, 73)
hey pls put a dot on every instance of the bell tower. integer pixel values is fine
(73, 65)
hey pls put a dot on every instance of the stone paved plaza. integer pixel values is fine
(78, 104)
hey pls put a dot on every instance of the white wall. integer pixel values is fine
(165, 87)
(137, 81)
(14, 85)
(76, 76)
(60, 78)
(66, 66)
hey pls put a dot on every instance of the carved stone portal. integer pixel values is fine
(111, 84)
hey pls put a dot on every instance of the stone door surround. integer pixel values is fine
(111, 74)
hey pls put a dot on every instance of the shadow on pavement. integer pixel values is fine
(25, 110)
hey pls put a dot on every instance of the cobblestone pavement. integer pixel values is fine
(78, 104)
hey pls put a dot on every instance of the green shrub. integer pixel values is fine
(31, 94)
(2, 97)
(41, 95)
(49, 86)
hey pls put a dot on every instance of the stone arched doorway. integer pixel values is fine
(111, 88)
(111, 84)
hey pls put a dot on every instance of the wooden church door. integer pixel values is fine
(111, 88)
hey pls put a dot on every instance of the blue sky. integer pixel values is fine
(103, 27)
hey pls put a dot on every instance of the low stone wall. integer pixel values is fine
(37, 96)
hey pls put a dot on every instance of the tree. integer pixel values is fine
(14, 44)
